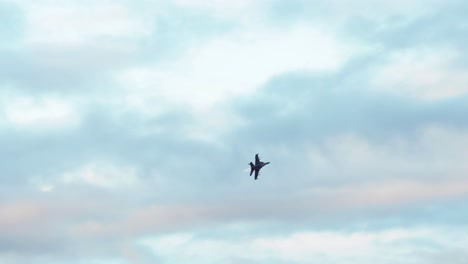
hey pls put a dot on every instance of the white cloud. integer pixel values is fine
(43, 112)
(216, 4)
(77, 41)
(388, 246)
(427, 74)
(236, 64)
(46, 188)
(102, 175)
(438, 152)
(303, 246)
(169, 243)
(232, 65)
(242, 11)
(74, 23)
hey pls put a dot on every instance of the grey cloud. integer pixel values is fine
(102, 134)
(445, 27)
(297, 113)
(213, 176)
(302, 108)
(454, 255)
(30, 245)
(84, 235)
(438, 25)
(71, 69)
(316, 210)
(188, 183)
(55, 226)
(61, 70)
(171, 166)
(292, 111)
(175, 31)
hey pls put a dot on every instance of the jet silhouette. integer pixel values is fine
(258, 165)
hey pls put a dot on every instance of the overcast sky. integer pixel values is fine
(126, 128)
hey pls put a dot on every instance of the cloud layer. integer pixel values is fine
(126, 129)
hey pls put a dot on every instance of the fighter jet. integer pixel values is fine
(258, 165)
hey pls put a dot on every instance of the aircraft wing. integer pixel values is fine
(256, 173)
(257, 159)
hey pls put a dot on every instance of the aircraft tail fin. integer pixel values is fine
(251, 168)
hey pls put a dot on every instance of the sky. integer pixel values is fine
(127, 126)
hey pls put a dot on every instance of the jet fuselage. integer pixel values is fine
(257, 166)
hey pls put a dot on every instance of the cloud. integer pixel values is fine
(337, 11)
(427, 74)
(241, 12)
(123, 139)
(105, 176)
(61, 70)
(72, 23)
(320, 207)
(304, 246)
(37, 227)
(59, 52)
(11, 23)
(311, 108)
(44, 112)
(246, 53)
